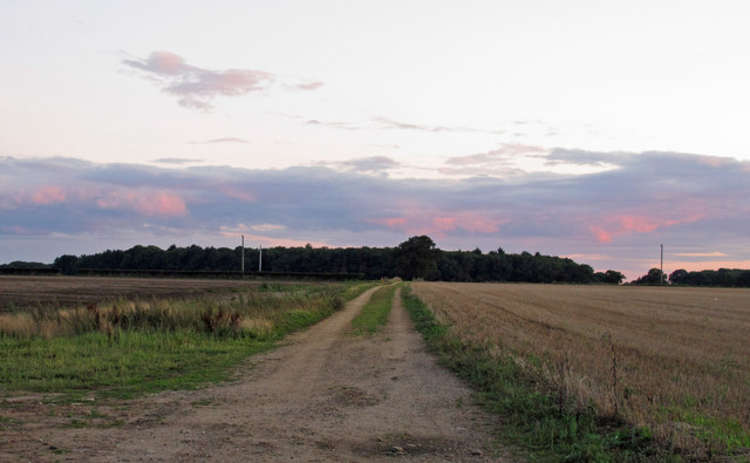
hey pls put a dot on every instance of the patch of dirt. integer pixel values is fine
(323, 396)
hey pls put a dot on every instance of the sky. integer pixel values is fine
(595, 130)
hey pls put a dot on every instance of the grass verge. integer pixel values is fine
(137, 358)
(534, 419)
(375, 313)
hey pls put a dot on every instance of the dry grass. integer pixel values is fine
(674, 359)
(253, 312)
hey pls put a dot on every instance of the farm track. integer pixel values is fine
(326, 395)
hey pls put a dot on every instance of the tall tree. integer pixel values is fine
(416, 257)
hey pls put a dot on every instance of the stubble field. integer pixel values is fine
(22, 291)
(674, 360)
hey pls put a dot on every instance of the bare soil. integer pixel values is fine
(62, 290)
(326, 395)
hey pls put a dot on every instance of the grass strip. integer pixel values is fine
(375, 313)
(533, 419)
(133, 362)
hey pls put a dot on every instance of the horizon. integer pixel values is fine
(582, 130)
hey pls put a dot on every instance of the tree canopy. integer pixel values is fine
(417, 257)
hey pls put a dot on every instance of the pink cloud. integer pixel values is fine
(444, 223)
(163, 62)
(601, 235)
(441, 223)
(238, 194)
(310, 86)
(149, 203)
(623, 224)
(196, 87)
(48, 195)
(390, 222)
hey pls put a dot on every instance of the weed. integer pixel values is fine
(375, 313)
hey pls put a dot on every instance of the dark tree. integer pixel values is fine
(416, 257)
(67, 264)
(613, 277)
(653, 277)
(678, 277)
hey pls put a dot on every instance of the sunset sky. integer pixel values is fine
(595, 130)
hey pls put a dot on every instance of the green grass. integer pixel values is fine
(375, 313)
(136, 362)
(533, 419)
(147, 358)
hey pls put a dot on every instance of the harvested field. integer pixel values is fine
(676, 360)
(18, 291)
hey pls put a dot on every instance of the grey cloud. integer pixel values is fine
(686, 201)
(177, 161)
(502, 155)
(371, 164)
(581, 158)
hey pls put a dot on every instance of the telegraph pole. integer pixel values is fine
(661, 265)
(242, 264)
(260, 258)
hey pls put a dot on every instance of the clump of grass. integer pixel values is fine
(375, 313)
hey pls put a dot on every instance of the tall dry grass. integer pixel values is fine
(676, 360)
(251, 313)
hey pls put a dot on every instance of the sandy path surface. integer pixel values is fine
(326, 395)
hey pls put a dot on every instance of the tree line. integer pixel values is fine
(723, 277)
(415, 258)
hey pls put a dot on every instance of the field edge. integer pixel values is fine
(532, 419)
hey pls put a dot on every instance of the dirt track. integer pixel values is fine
(325, 395)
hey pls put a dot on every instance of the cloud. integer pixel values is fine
(48, 195)
(334, 124)
(700, 254)
(386, 123)
(148, 203)
(581, 158)
(692, 204)
(507, 153)
(176, 160)
(220, 140)
(197, 87)
(267, 227)
(310, 86)
(370, 164)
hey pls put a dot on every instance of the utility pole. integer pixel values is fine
(242, 264)
(661, 265)
(260, 258)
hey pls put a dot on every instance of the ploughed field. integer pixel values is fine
(22, 291)
(675, 360)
